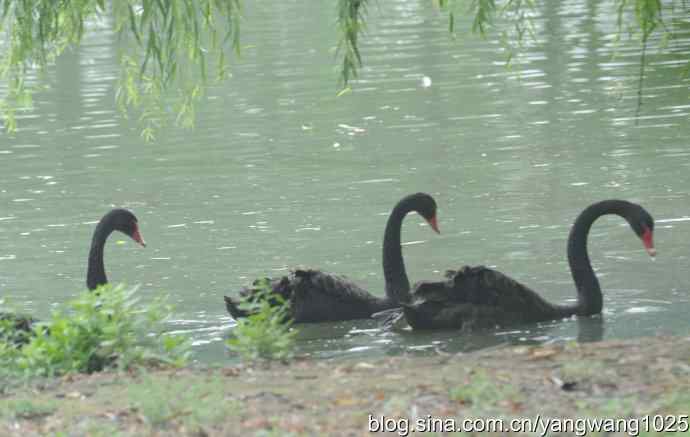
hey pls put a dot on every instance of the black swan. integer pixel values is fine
(316, 296)
(117, 219)
(18, 326)
(479, 297)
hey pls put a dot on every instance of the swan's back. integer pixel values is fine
(315, 296)
(277, 286)
(320, 297)
(475, 297)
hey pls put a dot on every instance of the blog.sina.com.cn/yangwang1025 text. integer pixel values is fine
(538, 424)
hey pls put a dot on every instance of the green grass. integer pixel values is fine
(482, 393)
(585, 370)
(26, 409)
(164, 401)
(274, 433)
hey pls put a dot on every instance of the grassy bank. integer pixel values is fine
(616, 379)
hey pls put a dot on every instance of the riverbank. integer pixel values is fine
(614, 379)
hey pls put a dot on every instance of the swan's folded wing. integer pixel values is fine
(484, 286)
(460, 286)
(474, 297)
(487, 287)
(476, 285)
(336, 287)
(278, 286)
(320, 296)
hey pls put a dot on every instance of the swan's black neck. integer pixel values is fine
(95, 275)
(589, 297)
(397, 284)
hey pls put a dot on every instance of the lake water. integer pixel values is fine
(280, 172)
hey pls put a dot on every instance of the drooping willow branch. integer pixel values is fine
(351, 14)
(648, 17)
(169, 47)
(514, 18)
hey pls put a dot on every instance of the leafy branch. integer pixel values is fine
(351, 14)
(167, 48)
(36, 32)
(514, 18)
(175, 37)
(648, 18)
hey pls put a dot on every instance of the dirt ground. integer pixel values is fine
(637, 380)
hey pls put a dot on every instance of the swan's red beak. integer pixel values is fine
(434, 224)
(648, 241)
(136, 236)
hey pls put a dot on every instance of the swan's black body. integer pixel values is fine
(479, 297)
(20, 327)
(316, 296)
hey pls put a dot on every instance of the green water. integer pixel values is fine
(279, 172)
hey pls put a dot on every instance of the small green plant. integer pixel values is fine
(108, 328)
(267, 332)
(27, 409)
(15, 329)
(482, 393)
(168, 400)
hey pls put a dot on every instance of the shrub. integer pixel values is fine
(14, 328)
(107, 328)
(266, 333)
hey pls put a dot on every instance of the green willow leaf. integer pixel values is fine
(163, 57)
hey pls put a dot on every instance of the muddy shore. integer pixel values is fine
(630, 380)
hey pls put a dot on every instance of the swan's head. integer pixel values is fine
(425, 205)
(126, 222)
(643, 225)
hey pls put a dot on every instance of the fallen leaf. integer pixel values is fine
(346, 402)
(257, 422)
(542, 353)
(231, 371)
(514, 406)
